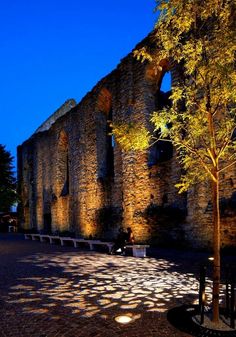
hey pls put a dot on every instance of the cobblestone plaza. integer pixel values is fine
(49, 290)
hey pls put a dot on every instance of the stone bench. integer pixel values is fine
(64, 239)
(53, 238)
(35, 237)
(75, 242)
(93, 243)
(90, 243)
(78, 241)
(44, 237)
(40, 237)
(138, 250)
(28, 236)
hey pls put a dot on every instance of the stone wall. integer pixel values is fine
(74, 177)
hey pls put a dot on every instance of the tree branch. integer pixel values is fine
(227, 166)
(201, 161)
(226, 142)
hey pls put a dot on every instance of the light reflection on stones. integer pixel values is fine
(91, 283)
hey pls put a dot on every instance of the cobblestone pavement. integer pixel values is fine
(53, 291)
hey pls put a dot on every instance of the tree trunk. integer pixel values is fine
(216, 248)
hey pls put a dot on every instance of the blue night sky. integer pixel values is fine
(52, 50)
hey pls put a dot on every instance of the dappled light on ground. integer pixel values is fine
(89, 284)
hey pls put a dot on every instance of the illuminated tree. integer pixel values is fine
(199, 38)
(7, 181)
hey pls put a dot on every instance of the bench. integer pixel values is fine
(76, 242)
(93, 243)
(138, 250)
(108, 244)
(44, 237)
(53, 238)
(35, 237)
(66, 238)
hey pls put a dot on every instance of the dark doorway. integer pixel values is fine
(47, 219)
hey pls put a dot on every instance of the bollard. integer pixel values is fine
(232, 306)
(202, 293)
(227, 309)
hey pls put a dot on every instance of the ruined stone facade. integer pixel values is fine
(74, 177)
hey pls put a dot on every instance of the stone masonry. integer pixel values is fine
(74, 177)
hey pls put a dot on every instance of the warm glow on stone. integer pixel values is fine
(123, 319)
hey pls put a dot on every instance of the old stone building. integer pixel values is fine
(74, 177)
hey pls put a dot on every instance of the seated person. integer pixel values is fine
(123, 238)
(119, 242)
(129, 239)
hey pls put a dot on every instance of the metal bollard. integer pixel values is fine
(227, 309)
(232, 305)
(202, 293)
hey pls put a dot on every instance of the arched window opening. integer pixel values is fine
(105, 139)
(166, 82)
(110, 147)
(162, 96)
(162, 151)
(65, 190)
(63, 164)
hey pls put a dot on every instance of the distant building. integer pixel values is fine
(8, 221)
(74, 177)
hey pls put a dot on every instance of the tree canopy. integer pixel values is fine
(201, 37)
(7, 180)
(198, 37)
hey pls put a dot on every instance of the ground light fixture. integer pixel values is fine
(123, 319)
(211, 258)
